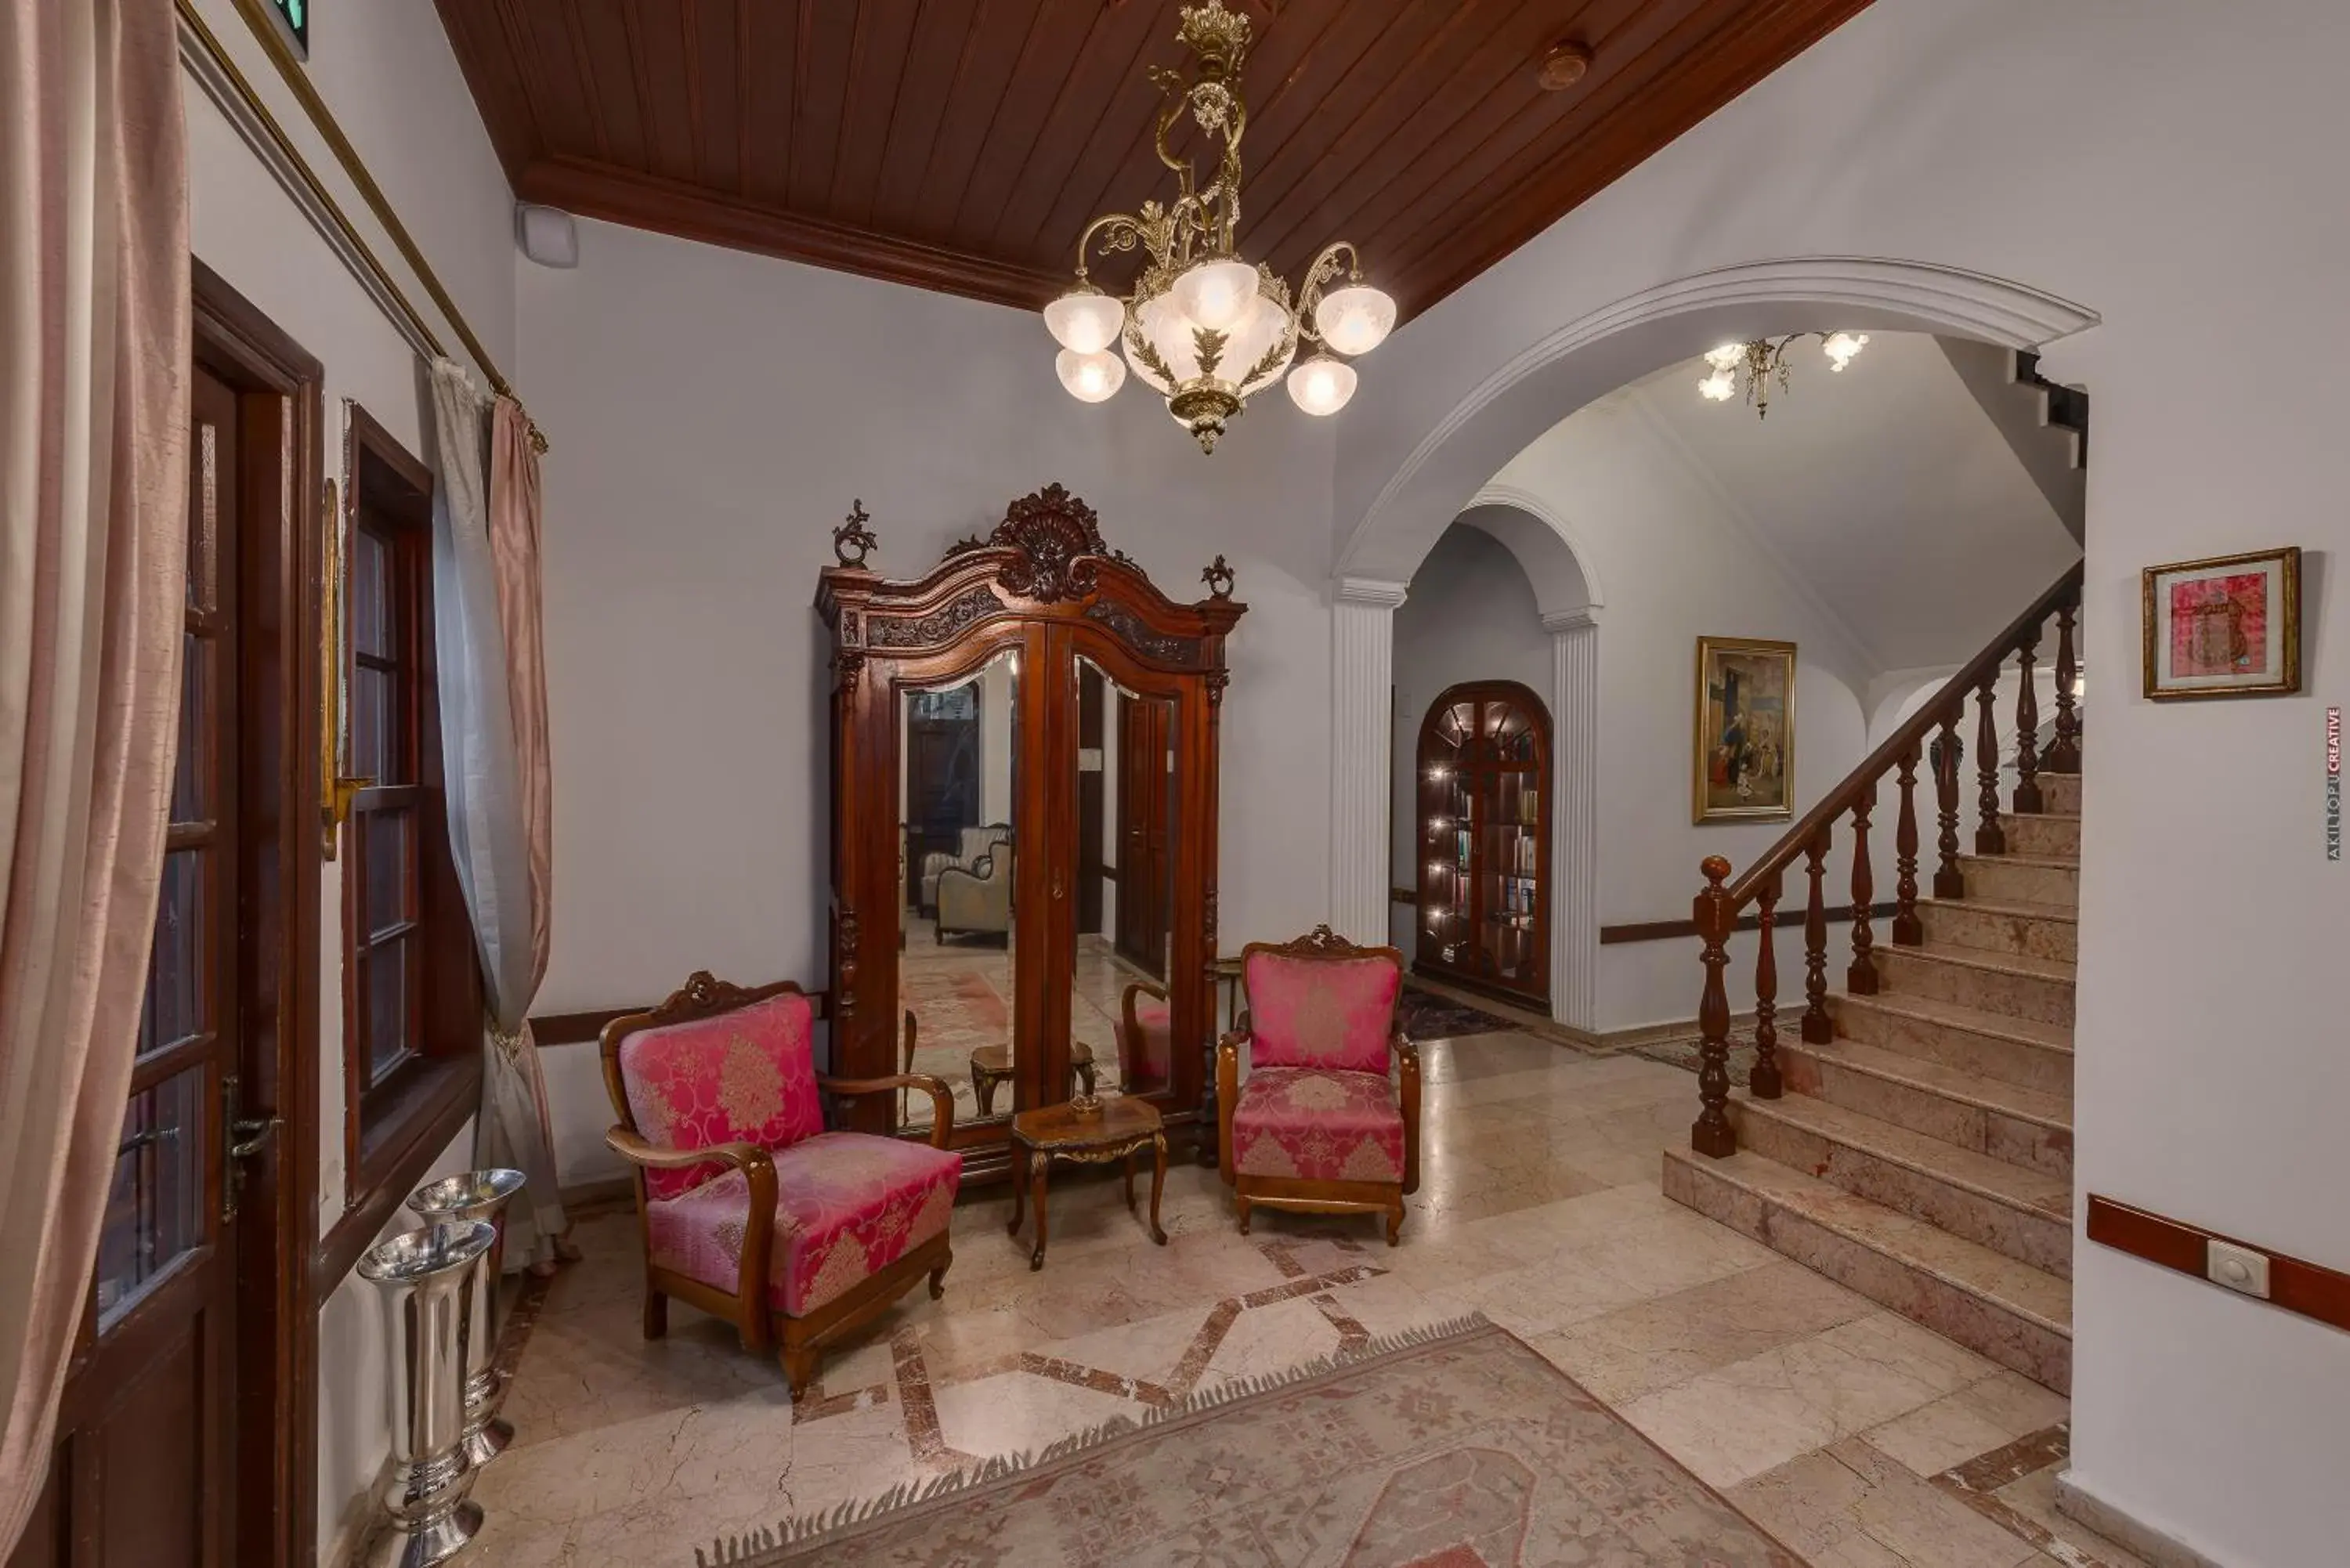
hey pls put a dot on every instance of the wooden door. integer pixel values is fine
(143, 1468)
(1143, 859)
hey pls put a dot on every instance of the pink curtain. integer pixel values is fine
(517, 1085)
(93, 453)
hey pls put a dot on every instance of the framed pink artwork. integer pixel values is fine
(2226, 627)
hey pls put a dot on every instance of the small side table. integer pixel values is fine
(1118, 1130)
(991, 1065)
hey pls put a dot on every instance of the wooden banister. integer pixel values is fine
(1716, 909)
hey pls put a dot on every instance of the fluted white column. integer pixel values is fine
(1574, 818)
(1362, 728)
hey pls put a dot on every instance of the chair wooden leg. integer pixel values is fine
(656, 1313)
(1244, 1204)
(800, 1367)
(1395, 1226)
(939, 1276)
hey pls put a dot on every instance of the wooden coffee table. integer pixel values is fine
(1118, 1130)
(991, 1065)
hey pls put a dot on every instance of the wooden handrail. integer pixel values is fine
(1882, 760)
(1715, 911)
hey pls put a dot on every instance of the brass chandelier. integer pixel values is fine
(1201, 327)
(1762, 361)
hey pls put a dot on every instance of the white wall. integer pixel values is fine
(714, 414)
(1471, 617)
(387, 70)
(2180, 180)
(1677, 566)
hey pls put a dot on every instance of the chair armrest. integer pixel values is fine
(758, 1166)
(1228, 1094)
(1406, 1056)
(941, 1097)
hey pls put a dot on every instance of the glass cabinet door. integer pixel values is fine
(1128, 818)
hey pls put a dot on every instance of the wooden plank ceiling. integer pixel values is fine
(962, 145)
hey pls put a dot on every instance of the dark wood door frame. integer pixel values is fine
(280, 389)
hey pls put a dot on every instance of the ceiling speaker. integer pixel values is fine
(549, 235)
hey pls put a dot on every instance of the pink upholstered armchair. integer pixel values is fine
(1328, 1121)
(751, 1209)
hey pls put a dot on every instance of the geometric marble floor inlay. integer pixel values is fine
(1854, 1437)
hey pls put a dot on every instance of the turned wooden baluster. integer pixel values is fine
(1990, 837)
(1908, 932)
(2027, 729)
(1765, 1079)
(1711, 1134)
(1949, 882)
(2064, 752)
(1819, 1027)
(1861, 978)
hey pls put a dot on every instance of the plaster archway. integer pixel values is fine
(1392, 526)
(1398, 508)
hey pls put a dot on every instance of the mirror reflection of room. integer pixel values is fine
(1118, 1020)
(958, 781)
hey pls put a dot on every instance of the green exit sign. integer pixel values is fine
(293, 16)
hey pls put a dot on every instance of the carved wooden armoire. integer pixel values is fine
(994, 985)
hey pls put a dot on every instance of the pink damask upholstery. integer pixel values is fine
(1147, 1053)
(748, 1075)
(1313, 1124)
(848, 1205)
(1321, 1013)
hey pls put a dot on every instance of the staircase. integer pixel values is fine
(1915, 1142)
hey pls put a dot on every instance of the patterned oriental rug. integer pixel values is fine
(1455, 1447)
(1427, 1015)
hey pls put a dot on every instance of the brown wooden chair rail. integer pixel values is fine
(1716, 909)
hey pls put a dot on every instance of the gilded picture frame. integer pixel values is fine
(2225, 625)
(1743, 763)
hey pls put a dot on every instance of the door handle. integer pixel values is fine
(247, 1137)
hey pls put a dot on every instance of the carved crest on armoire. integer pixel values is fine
(1031, 634)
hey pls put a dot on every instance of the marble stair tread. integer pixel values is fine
(1950, 1083)
(2038, 862)
(2018, 1287)
(2047, 1196)
(1985, 958)
(1974, 1019)
(2014, 908)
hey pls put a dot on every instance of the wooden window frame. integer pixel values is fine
(393, 1129)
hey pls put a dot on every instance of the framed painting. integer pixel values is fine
(1745, 762)
(2226, 627)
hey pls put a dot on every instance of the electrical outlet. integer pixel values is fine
(2240, 1269)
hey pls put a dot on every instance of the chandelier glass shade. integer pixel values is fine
(1203, 328)
(1758, 363)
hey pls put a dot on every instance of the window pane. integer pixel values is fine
(175, 1007)
(385, 975)
(373, 755)
(189, 784)
(389, 848)
(154, 1209)
(370, 585)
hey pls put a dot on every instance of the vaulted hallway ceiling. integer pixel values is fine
(962, 145)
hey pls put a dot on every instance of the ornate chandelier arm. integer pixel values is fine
(1325, 270)
(1125, 232)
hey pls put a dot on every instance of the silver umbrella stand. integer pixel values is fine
(429, 1279)
(478, 1196)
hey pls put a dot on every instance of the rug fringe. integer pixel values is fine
(730, 1551)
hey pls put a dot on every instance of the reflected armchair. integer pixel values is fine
(1328, 1120)
(1146, 1039)
(976, 843)
(977, 901)
(750, 1209)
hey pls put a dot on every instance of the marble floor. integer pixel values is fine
(1858, 1439)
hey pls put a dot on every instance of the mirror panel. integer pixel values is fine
(958, 787)
(1128, 822)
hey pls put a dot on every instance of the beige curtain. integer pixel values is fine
(93, 451)
(514, 1092)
